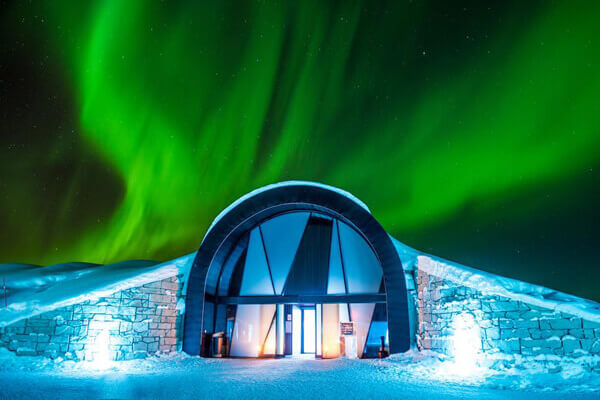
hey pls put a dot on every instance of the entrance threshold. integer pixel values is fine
(302, 357)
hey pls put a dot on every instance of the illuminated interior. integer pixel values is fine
(288, 285)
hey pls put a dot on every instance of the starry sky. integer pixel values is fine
(471, 129)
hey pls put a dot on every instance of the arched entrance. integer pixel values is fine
(301, 252)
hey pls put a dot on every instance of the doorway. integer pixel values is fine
(309, 331)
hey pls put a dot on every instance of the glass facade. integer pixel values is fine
(250, 330)
(303, 284)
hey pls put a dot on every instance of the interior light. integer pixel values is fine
(465, 344)
(101, 350)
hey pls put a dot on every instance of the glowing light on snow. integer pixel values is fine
(101, 350)
(465, 344)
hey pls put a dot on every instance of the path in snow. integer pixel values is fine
(193, 378)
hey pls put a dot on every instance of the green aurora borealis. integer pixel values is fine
(472, 131)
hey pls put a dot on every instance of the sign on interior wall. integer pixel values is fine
(347, 328)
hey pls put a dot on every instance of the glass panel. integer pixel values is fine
(282, 237)
(319, 329)
(296, 330)
(280, 329)
(344, 316)
(331, 330)
(234, 262)
(378, 330)
(271, 341)
(252, 322)
(335, 284)
(363, 272)
(361, 315)
(256, 279)
(309, 330)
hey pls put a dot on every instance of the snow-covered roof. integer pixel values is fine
(284, 184)
(32, 289)
(498, 285)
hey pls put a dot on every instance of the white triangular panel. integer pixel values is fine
(343, 312)
(282, 236)
(256, 279)
(269, 347)
(335, 283)
(363, 271)
(361, 315)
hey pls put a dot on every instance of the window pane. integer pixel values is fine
(256, 279)
(362, 268)
(335, 283)
(309, 330)
(282, 237)
(331, 331)
(378, 330)
(270, 341)
(361, 315)
(252, 322)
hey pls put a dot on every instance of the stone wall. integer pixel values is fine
(128, 324)
(504, 325)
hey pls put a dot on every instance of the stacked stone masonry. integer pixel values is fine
(506, 325)
(131, 323)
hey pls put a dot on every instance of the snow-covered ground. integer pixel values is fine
(408, 376)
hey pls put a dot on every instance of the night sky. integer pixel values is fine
(472, 130)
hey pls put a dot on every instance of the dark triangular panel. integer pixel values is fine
(234, 261)
(382, 286)
(378, 329)
(310, 268)
(236, 277)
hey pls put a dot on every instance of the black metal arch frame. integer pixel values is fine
(226, 233)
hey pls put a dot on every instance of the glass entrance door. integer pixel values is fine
(309, 324)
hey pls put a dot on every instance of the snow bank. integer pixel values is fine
(32, 290)
(511, 288)
(415, 372)
(544, 372)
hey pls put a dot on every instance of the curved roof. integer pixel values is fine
(266, 188)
